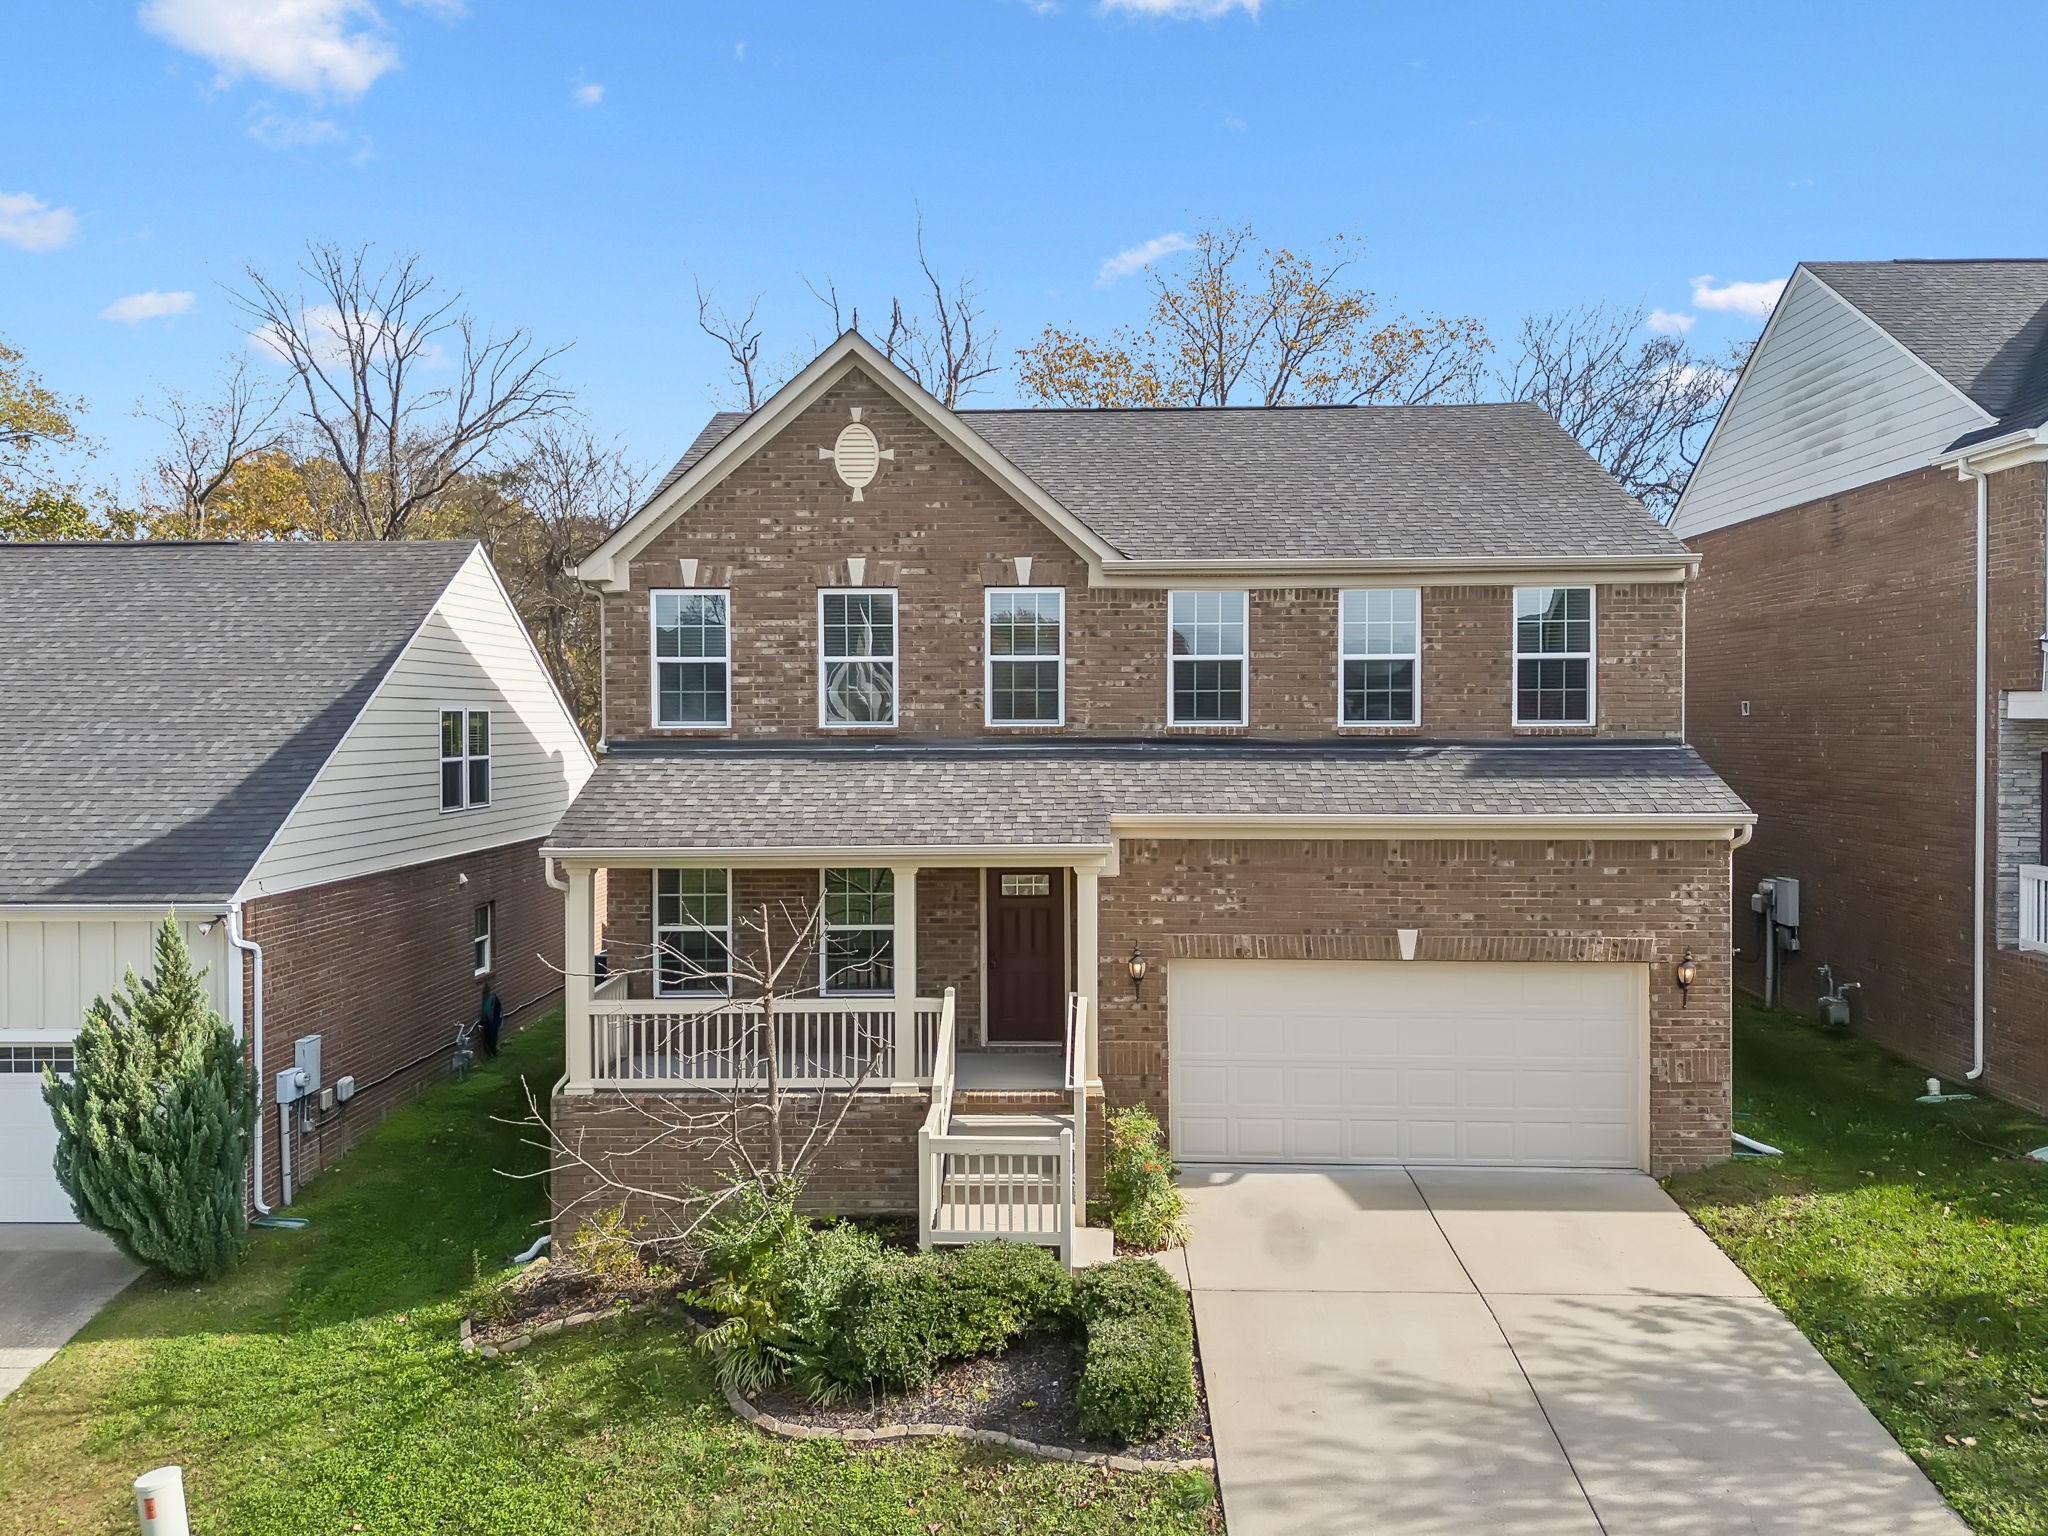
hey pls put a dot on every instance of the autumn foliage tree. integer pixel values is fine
(1237, 322)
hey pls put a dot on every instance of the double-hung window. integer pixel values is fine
(857, 658)
(465, 758)
(1027, 650)
(484, 940)
(1379, 656)
(860, 931)
(1207, 658)
(1553, 655)
(692, 658)
(692, 932)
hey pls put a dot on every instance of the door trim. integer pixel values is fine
(1062, 886)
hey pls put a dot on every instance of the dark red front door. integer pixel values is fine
(1027, 955)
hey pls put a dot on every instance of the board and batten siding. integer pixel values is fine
(52, 966)
(1829, 402)
(376, 803)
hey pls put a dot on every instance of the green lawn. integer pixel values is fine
(1910, 1243)
(319, 1390)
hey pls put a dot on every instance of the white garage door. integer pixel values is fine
(1282, 1061)
(28, 1140)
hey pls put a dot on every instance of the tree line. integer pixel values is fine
(371, 404)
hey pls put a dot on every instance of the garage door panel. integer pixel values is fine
(1356, 1061)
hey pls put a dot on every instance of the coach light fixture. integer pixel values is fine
(1137, 967)
(1687, 971)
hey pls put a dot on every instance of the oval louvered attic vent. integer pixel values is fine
(856, 455)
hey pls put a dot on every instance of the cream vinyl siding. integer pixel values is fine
(376, 803)
(1830, 402)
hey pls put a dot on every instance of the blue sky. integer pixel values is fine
(571, 168)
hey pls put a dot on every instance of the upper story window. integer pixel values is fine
(465, 758)
(1027, 653)
(1379, 656)
(1207, 658)
(857, 658)
(1553, 655)
(692, 932)
(692, 658)
(860, 931)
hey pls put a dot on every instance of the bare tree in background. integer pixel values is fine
(740, 335)
(210, 443)
(1239, 323)
(401, 390)
(1640, 403)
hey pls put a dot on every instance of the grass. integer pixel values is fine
(319, 1389)
(1909, 1243)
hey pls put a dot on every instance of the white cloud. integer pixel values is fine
(586, 93)
(276, 130)
(153, 305)
(321, 325)
(1139, 257)
(1184, 10)
(29, 224)
(739, 50)
(1234, 124)
(317, 47)
(1665, 323)
(1739, 298)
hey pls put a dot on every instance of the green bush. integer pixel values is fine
(606, 1246)
(1138, 1379)
(1145, 1206)
(834, 1276)
(753, 1250)
(922, 1311)
(153, 1123)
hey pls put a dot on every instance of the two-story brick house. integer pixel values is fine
(1866, 652)
(1333, 757)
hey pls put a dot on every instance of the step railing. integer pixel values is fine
(2034, 906)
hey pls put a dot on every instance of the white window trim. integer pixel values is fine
(1591, 656)
(1415, 712)
(1244, 658)
(486, 937)
(442, 759)
(826, 928)
(990, 658)
(655, 659)
(722, 985)
(894, 658)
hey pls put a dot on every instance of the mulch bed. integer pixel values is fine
(546, 1292)
(1027, 1391)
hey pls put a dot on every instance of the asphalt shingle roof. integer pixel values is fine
(1981, 325)
(1065, 794)
(1472, 482)
(163, 706)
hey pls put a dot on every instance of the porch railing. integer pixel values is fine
(2034, 906)
(715, 1042)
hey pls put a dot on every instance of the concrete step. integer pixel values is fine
(1011, 1101)
(1045, 1126)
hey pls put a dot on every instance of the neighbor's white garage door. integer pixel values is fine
(1283, 1061)
(28, 1140)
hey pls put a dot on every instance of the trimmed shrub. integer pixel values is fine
(752, 1251)
(1145, 1206)
(606, 1246)
(1138, 1379)
(920, 1312)
(831, 1280)
(153, 1123)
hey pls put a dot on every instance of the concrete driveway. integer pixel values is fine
(52, 1280)
(1449, 1351)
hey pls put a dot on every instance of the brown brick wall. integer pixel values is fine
(781, 527)
(1849, 625)
(1626, 902)
(380, 968)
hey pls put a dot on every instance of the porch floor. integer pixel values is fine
(1009, 1069)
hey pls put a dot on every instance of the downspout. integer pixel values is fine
(254, 950)
(1983, 771)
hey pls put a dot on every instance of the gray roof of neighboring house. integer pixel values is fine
(1064, 794)
(1453, 482)
(1981, 325)
(163, 706)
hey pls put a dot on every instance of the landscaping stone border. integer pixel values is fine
(769, 1424)
(537, 1332)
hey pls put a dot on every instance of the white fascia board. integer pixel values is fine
(610, 564)
(1729, 825)
(2029, 445)
(64, 911)
(930, 857)
(1582, 570)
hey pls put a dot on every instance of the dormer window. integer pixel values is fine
(465, 758)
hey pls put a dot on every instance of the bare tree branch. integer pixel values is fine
(209, 443)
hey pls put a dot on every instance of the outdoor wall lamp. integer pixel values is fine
(1686, 971)
(1137, 966)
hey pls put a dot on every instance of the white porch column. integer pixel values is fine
(578, 945)
(1088, 959)
(905, 955)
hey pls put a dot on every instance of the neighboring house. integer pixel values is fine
(1866, 653)
(333, 762)
(1263, 701)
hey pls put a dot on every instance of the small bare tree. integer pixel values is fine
(401, 389)
(210, 442)
(747, 1120)
(740, 335)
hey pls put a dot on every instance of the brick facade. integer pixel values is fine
(1848, 626)
(780, 527)
(380, 967)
